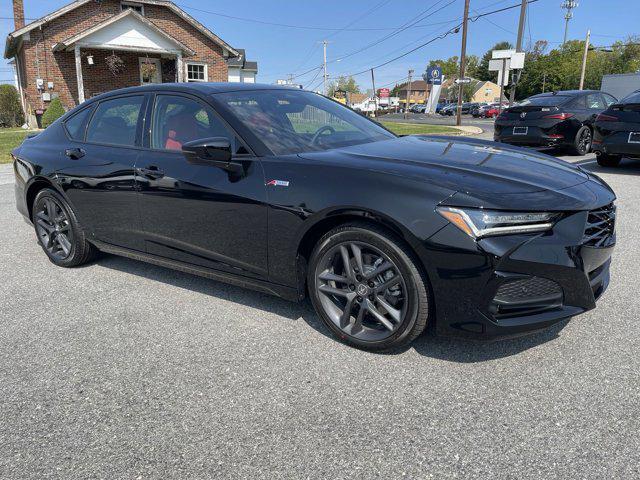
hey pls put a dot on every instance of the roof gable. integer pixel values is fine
(125, 30)
(10, 43)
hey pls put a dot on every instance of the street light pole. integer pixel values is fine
(584, 59)
(406, 104)
(463, 61)
(523, 14)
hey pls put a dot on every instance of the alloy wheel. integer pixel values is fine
(584, 142)
(361, 290)
(53, 228)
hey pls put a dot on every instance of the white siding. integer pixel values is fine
(129, 32)
(234, 74)
(248, 77)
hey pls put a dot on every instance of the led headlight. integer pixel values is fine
(478, 223)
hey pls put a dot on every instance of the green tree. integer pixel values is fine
(10, 109)
(51, 114)
(450, 67)
(347, 84)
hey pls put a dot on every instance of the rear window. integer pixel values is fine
(77, 123)
(546, 101)
(633, 98)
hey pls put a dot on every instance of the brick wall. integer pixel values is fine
(38, 60)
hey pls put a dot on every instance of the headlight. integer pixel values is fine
(478, 223)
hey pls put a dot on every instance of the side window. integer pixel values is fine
(76, 124)
(578, 103)
(609, 99)
(595, 102)
(177, 120)
(115, 121)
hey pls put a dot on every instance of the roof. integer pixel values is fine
(125, 13)
(13, 36)
(358, 97)
(415, 85)
(241, 61)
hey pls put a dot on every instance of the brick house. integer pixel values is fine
(92, 46)
(419, 92)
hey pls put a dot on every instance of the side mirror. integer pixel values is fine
(214, 148)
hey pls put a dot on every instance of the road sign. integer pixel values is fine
(497, 65)
(463, 80)
(517, 61)
(383, 93)
(434, 75)
(496, 54)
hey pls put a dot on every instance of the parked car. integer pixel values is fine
(492, 110)
(616, 131)
(554, 119)
(449, 109)
(474, 109)
(439, 107)
(257, 186)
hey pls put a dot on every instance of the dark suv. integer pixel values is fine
(554, 119)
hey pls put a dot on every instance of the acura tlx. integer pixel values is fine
(288, 192)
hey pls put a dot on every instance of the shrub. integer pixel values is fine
(10, 108)
(54, 112)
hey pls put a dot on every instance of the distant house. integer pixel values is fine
(487, 92)
(89, 47)
(419, 92)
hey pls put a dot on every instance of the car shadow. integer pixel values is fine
(427, 344)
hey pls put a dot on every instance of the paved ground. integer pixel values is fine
(126, 370)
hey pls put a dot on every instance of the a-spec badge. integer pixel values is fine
(277, 183)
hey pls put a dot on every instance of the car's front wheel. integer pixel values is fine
(58, 231)
(366, 287)
(582, 142)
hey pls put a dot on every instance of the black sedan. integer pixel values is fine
(616, 131)
(290, 193)
(555, 119)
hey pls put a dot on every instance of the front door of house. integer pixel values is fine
(150, 70)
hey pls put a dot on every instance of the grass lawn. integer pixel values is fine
(10, 138)
(419, 129)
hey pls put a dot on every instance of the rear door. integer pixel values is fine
(98, 168)
(193, 211)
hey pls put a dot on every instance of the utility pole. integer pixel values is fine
(568, 5)
(406, 105)
(544, 81)
(463, 61)
(584, 59)
(324, 63)
(523, 14)
(375, 100)
(290, 80)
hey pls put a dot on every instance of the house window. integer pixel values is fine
(196, 72)
(133, 6)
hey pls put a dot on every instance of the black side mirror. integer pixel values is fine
(214, 148)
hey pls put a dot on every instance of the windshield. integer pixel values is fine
(544, 101)
(294, 121)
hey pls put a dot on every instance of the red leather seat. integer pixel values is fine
(180, 129)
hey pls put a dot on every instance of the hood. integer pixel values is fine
(461, 165)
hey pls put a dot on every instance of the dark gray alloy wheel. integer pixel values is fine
(583, 141)
(53, 228)
(58, 231)
(367, 289)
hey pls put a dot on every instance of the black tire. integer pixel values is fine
(608, 160)
(409, 301)
(582, 142)
(54, 220)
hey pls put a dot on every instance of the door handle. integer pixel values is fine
(74, 153)
(151, 171)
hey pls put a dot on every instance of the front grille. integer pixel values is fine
(527, 289)
(600, 228)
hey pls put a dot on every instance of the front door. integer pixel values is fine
(197, 212)
(150, 70)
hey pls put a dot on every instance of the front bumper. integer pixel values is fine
(505, 286)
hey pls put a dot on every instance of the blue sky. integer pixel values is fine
(283, 50)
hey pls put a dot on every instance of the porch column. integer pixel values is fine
(79, 74)
(179, 67)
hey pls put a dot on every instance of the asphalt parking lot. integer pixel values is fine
(125, 370)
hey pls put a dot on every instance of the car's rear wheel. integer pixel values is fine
(582, 142)
(58, 231)
(608, 160)
(366, 287)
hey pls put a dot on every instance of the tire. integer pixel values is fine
(60, 235)
(608, 160)
(582, 142)
(399, 293)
